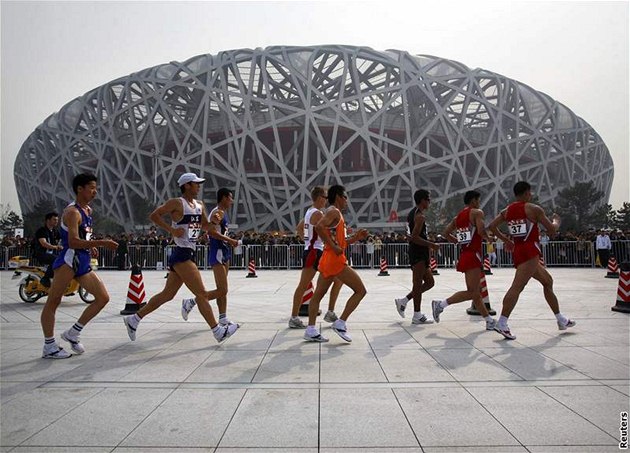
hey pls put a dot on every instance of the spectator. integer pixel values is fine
(603, 246)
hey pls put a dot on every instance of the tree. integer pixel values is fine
(35, 219)
(623, 217)
(9, 220)
(605, 217)
(577, 205)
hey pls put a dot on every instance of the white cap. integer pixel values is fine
(188, 177)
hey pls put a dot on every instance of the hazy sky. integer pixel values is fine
(575, 51)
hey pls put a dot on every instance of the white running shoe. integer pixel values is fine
(330, 316)
(505, 331)
(421, 320)
(342, 332)
(225, 332)
(58, 353)
(131, 331)
(317, 338)
(490, 325)
(187, 306)
(75, 344)
(401, 304)
(437, 309)
(296, 323)
(563, 326)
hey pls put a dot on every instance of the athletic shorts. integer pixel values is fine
(219, 256)
(524, 252)
(78, 260)
(180, 255)
(310, 258)
(469, 260)
(418, 254)
(331, 264)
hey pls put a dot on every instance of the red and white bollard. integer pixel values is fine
(623, 290)
(252, 269)
(487, 267)
(485, 296)
(135, 293)
(383, 272)
(433, 266)
(613, 268)
(306, 298)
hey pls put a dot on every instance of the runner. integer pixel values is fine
(522, 218)
(313, 247)
(333, 264)
(188, 217)
(220, 255)
(74, 262)
(469, 230)
(419, 252)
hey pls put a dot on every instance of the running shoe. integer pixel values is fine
(58, 353)
(505, 331)
(317, 338)
(296, 323)
(437, 309)
(75, 344)
(565, 326)
(401, 304)
(342, 331)
(490, 325)
(131, 331)
(225, 332)
(330, 316)
(421, 320)
(187, 306)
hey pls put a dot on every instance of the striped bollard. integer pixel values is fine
(613, 268)
(623, 290)
(135, 293)
(383, 272)
(433, 266)
(485, 296)
(487, 267)
(252, 269)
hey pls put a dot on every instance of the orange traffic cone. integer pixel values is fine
(613, 268)
(135, 293)
(623, 290)
(308, 295)
(487, 267)
(252, 269)
(485, 296)
(433, 266)
(383, 272)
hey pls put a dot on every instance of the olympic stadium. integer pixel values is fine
(272, 123)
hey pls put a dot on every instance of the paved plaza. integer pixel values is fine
(447, 387)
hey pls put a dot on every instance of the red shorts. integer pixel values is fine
(525, 251)
(469, 260)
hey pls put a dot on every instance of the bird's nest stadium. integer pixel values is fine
(272, 123)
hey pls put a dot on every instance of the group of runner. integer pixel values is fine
(325, 236)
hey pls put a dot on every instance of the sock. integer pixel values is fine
(295, 317)
(418, 314)
(134, 320)
(75, 330)
(488, 318)
(443, 303)
(50, 343)
(222, 316)
(561, 318)
(407, 298)
(503, 321)
(218, 329)
(340, 323)
(311, 330)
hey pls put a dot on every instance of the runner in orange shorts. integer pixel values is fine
(333, 264)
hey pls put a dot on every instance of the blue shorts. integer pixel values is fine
(78, 260)
(180, 255)
(219, 256)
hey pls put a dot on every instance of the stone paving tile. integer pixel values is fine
(296, 367)
(472, 365)
(409, 365)
(590, 363)
(363, 418)
(236, 366)
(187, 418)
(172, 365)
(530, 364)
(534, 418)
(118, 411)
(263, 416)
(344, 364)
(431, 412)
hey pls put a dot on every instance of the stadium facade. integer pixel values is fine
(272, 123)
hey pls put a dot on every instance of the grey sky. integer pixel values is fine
(577, 51)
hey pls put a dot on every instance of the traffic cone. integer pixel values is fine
(623, 290)
(613, 268)
(135, 293)
(383, 272)
(483, 287)
(308, 295)
(487, 267)
(433, 266)
(252, 269)
(541, 260)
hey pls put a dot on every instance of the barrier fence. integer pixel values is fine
(360, 256)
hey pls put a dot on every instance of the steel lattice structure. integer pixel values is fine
(271, 123)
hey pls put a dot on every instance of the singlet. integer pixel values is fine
(311, 238)
(411, 223)
(520, 228)
(191, 222)
(85, 228)
(223, 229)
(466, 232)
(338, 234)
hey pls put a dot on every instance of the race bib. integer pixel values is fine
(517, 228)
(88, 233)
(306, 233)
(194, 230)
(464, 236)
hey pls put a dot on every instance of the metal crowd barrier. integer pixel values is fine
(360, 256)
